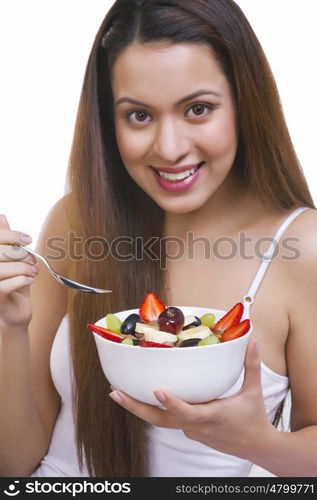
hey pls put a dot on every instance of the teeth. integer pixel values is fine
(177, 177)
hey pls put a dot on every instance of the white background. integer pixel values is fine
(44, 46)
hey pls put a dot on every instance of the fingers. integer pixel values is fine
(15, 252)
(17, 268)
(189, 414)
(12, 284)
(151, 414)
(8, 237)
(11, 244)
(16, 275)
(176, 405)
(12, 269)
(177, 414)
(11, 248)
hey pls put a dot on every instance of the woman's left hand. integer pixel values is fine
(236, 425)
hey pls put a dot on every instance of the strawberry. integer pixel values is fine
(151, 307)
(236, 331)
(146, 343)
(105, 333)
(230, 319)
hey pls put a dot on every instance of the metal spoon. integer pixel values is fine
(66, 281)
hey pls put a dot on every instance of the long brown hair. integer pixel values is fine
(105, 204)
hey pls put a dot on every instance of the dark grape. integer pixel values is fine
(197, 322)
(189, 342)
(128, 326)
(171, 320)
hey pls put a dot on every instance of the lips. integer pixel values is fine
(173, 181)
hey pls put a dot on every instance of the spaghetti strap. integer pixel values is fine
(266, 259)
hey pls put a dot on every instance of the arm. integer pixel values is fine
(301, 353)
(29, 402)
(21, 431)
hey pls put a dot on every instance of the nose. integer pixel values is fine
(171, 142)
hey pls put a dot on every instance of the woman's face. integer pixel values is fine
(174, 116)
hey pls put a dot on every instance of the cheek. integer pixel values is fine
(221, 139)
(130, 145)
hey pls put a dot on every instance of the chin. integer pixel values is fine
(180, 207)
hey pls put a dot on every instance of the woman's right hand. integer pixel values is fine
(17, 273)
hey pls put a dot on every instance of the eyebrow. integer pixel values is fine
(184, 99)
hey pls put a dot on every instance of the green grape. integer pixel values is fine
(127, 341)
(208, 319)
(211, 339)
(113, 323)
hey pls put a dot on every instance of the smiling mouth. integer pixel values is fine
(180, 176)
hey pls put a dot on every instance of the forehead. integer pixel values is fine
(161, 70)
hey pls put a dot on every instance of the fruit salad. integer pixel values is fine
(157, 325)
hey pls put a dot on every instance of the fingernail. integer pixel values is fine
(160, 395)
(33, 258)
(25, 238)
(35, 270)
(116, 397)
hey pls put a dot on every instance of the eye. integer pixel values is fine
(138, 117)
(200, 109)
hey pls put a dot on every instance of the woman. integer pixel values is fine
(170, 87)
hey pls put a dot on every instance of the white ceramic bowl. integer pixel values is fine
(195, 374)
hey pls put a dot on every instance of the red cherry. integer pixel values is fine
(171, 320)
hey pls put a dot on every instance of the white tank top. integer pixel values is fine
(171, 452)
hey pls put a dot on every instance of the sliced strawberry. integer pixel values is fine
(236, 331)
(151, 307)
(105, 333)
(230, 319)
(146, 343)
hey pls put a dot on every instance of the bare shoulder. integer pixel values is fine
(299, 262)
(303, 231)
(49, 298)
(58, 217)
(53, 238)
